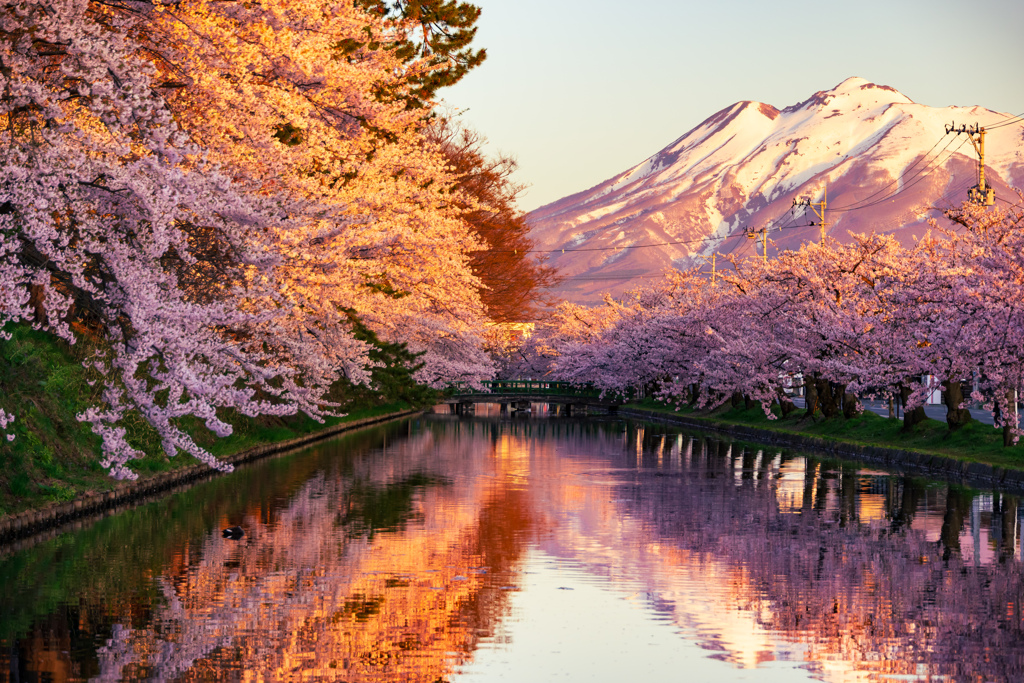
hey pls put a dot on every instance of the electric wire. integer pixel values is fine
(956, 190)
(849, 207)
(1009, 122)
(917, 179)
(863, 203)
(1009, 203)
(913, 180)
(745, 246)
(604, 278)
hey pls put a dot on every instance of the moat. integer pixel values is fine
(498, 548)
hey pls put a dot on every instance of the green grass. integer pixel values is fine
(44, 385)
(975, 442)
(56, 458)
(249, 432)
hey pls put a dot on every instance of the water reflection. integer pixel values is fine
(439, 550)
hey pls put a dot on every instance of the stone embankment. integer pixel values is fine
(977, 474)
(58, 515)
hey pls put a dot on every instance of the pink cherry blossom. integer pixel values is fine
(213, 189)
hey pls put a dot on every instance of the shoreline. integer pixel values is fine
(932, 465)
(54, 517)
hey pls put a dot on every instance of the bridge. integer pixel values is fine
(517, 395)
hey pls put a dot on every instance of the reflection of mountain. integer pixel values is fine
(392, 564)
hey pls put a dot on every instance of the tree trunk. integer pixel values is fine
(1011, 418)
(785, 405)
(36, 299)
(748, 402)
(810, 394)
(827, 398)
(850, 405)
(737, 399)
(1008, 510)
(910, 417)
(958, 508)
(956, 417)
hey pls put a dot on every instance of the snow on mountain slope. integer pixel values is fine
(884, 160)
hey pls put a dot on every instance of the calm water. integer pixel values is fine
(541, 549)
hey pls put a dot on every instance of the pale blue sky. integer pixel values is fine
(581, 90)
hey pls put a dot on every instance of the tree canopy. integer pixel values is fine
(867, 317)
(513, 280)
(211, 188)
(443, 32)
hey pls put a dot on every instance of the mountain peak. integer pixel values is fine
(856, 84)
(741, 169)
(854, 92)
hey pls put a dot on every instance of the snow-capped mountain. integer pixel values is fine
(886, 163)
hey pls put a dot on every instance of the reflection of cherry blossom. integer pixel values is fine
(753, 555)
(310, 594)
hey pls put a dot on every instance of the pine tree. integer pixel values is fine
(445, 29)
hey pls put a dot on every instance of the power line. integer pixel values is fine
(603, 278)
(1011, 120)
(697, 240)
(863, 203)
(1009, 203)
(915, 180)
(956, 190)
(745, 247)
(910, 182)
(768, 228)
(622, 248)
(849, 207)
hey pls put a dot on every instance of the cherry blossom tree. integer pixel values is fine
(868, 317)
(968, 304)
(836, 302)
(210, 189)
(337, 132)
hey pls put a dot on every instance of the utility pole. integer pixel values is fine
(763, 232)
(981, 193)
(818, 208)
(712, 262)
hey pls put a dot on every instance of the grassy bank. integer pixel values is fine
(975, 442)
(56, 458)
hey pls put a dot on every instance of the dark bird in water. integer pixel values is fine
(234, 532)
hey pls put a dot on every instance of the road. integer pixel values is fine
(936, 412)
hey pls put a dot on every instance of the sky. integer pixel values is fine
(581, 90)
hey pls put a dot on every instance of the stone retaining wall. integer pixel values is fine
(912, 462)
(31, 522)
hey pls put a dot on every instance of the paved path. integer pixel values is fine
(935, 412)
